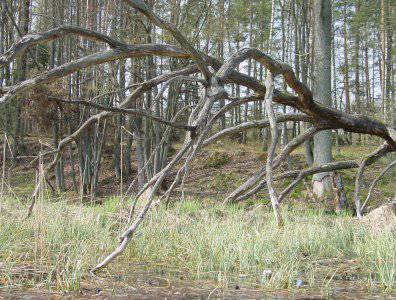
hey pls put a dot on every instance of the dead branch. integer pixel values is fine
(198, 118)
(368, 160)
(256, 124)
(272, 65)
(129, 111)
(269, 84)
(56, 33)
(334, 166)
(94, 59)
(164, 135)
(302, 102)
(156, 180)
(195, 55)
(145, 86)
(235, 196)
(374, 183)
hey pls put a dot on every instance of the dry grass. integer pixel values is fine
(58, 245)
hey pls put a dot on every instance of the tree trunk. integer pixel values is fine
(322, 183)
(357, 68)
(220, 50)
(346, 68)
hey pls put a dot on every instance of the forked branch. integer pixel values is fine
(368, 160)
(375, 182)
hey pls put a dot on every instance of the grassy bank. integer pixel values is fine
(57, 246)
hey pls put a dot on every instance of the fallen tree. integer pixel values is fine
(215, 77)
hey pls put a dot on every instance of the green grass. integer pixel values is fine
(206, 240)
(61, 240)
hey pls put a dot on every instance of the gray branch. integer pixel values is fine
(372, 186)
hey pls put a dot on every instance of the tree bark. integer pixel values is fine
(322, 90)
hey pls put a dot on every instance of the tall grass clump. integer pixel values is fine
(378, 256)
(55, 246)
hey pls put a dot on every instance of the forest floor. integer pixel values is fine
(197, 248)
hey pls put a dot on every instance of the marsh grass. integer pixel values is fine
(56, 247)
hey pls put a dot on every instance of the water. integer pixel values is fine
(141, 282)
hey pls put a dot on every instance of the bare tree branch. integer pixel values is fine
(374, 183)
(334, 166)
(269, 84)
(368, 160)
(235, 196)
(90, 60)
(127, 235)
(192, 144)
(5, 6)
(56, 33)
(195, 56)
(256, 124)
(129, 111)
(144, 87)
(272, 65)
(304, 101)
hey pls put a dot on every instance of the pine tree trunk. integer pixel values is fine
(322, 183)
